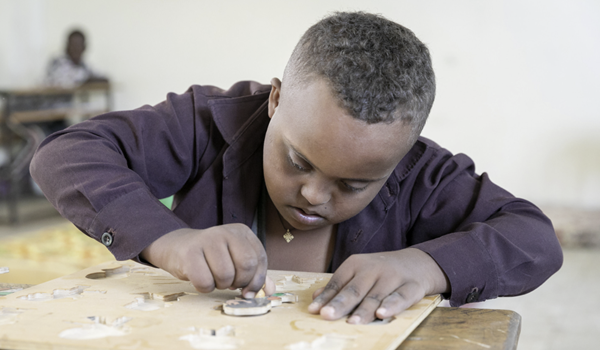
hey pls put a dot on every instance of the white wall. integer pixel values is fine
(518, 80)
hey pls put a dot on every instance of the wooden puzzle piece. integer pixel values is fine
(247, 307)
(69, 293)
(56, 294)
(143, 304)
(120, 271)
(98, 329)
(114, 272)
(7, 291)
(222, 338)
(167, 296)
(286, 297)
(326, 342)
(275, 301)
(261, 293)
(9, 315)
(154, 301)
(288, 283)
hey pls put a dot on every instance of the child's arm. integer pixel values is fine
(106, 174)
(487, 242)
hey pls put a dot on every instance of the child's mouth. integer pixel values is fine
(305, 218)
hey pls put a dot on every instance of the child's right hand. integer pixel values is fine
(227, 256)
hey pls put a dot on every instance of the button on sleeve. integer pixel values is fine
(107, 239)
(473, 296)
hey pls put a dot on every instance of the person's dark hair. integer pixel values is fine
(75, 32)
(378, 69)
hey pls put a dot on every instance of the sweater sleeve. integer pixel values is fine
(105, 174)
(488, 242)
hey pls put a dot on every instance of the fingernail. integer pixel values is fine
(381, 312)
(354, 320)
(327, 311)
(314, 307)
(249, 295)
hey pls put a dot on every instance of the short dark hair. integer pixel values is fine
(76, 32)
(377, 68)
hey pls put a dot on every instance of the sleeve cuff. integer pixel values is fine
(131, 223)
(466, 263)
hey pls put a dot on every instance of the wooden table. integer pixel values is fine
(48, 104)
(463, 328)
(455, 328)
(20, 107)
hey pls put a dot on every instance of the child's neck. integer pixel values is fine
(307, 251)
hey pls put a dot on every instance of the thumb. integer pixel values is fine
(270, 287)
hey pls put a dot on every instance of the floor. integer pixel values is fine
(564, 313)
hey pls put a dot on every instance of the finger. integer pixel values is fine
(326, 294)
(339, 279)
(221, 265)
(245, 261)
(401, 299)
(365, 312)
(346, 299)
(269, 286)
(255, 285)
(200, 275)
(317, 292)
(250, 265)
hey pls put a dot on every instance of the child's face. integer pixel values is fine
(321, 165)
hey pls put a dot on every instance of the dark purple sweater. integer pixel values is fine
(205, 146)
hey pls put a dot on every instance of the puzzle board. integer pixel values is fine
(125, 305)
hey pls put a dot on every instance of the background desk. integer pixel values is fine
(21, 108)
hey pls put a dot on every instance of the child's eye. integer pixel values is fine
(296, 165)
(352, 188)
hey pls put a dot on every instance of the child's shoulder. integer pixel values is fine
(427, 157)
(242, 89)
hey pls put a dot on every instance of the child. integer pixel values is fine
(322, 171)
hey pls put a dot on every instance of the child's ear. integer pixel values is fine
(274, 96)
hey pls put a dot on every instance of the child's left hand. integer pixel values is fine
(379, 285)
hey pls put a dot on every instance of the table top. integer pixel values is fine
(45, 90)
(452, 328)
(465, 328)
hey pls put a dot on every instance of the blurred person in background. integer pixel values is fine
(69, 70)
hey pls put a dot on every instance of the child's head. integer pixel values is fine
(354, 97)
(377, 69)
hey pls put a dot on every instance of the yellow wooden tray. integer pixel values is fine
(125, 305)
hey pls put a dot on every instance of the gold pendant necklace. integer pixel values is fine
(288, 236)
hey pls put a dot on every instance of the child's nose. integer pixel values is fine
(316, 192)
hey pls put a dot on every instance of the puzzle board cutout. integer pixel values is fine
(125, 305)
